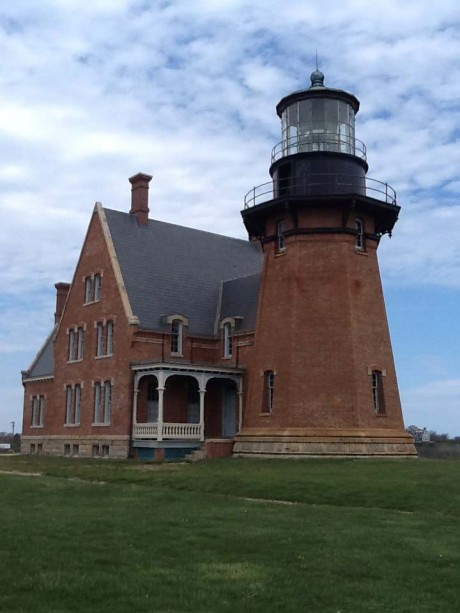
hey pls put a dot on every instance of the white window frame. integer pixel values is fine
(99, 339)
(97, 281)
(177, 332)
(109, 337)
(227, 339)
(107, 401)
(88, 290)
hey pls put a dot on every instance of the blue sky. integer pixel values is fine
(91, 93)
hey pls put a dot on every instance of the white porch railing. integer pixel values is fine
(168, 431)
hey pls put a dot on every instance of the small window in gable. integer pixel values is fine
(93, 288)
(99, 339)
(109, 338)
(97, 287)
(88, 290)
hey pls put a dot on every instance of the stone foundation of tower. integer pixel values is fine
(311, 442)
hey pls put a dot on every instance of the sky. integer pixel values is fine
(93, 92)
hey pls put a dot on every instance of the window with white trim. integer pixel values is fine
(227, 339)
(76, 342)
(38, 408)
(93, 285)
(102, 402)
(72, 405)
(177, 329)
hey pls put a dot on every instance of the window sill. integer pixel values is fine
(35, 427)
(227, 357)
(361, 252)
(265, 414)
(72, 425)
(99, 425)
(101, 357)
(91, 302)
(74, 361)
(278, 254)
(176, 355)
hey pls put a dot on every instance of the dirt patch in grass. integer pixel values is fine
(20, 473)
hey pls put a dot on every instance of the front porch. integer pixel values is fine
(178, 407)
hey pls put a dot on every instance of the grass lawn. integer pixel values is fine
(319, 536)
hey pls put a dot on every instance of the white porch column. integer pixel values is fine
(202, 389)
(161, 389)
(135, 395)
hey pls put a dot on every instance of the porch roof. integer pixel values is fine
(186, 368)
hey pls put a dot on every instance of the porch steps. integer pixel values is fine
(196, 455)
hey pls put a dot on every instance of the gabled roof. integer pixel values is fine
(169, 269)
(43, 364)
(239, 299)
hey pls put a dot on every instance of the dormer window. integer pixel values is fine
(177, 324)
(176, 336)
(227, 339)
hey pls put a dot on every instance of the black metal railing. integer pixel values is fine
(315, 184)
(323, 141)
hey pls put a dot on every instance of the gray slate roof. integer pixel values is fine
(43, 364)
(239, 299)
(169, 269)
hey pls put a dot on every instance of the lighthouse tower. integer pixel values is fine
(322, 379)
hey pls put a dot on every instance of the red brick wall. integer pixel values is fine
(321, 326)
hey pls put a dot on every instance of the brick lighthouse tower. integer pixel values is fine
(322, 379)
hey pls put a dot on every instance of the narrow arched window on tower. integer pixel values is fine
(359, 227)
(280, 241)
(269, 388)
(377, 392)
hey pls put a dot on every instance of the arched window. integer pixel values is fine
(227, 339)
(71, 345)
(100, 339)
(359, 227)
(80, 340)
(269, 387)
(77, 404)
(107, 401)
(176, 336)
(109, 338)
(377, 392)
(97, 402)
(97, 287)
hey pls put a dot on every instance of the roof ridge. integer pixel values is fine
(176, 225)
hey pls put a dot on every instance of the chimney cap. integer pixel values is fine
(140, 176)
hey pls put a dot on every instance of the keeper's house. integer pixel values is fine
(171, 341)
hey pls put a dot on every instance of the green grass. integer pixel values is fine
(361, 536)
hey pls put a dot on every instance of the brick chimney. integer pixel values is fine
(140, 197)
(62, 289)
